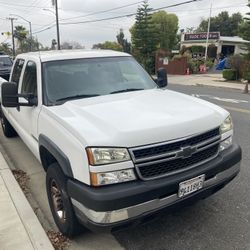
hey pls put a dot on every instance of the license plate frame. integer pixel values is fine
(191, 186)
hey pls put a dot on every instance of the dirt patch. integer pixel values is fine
(22, 179)
(58, 240)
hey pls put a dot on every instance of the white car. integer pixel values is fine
(116, 145)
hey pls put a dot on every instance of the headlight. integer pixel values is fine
(227, 125)
(99, 179)
(226, 130)
(100, 156)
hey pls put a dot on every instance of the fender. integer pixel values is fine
(57, 153)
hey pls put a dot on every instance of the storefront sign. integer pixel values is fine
(202, 36)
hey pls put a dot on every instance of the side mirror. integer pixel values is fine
(9, 94)
(162, 79)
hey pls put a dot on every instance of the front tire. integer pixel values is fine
(60, 203)
(8, 130)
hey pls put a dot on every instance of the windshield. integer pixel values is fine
(82, 78)
(5, 61)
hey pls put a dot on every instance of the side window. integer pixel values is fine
(29, 85)
(17, 71)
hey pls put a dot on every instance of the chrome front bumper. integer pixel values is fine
(120, 215)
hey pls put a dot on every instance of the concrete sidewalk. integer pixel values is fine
(19, 226)
(214, 80)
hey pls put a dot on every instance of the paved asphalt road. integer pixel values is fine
(219, 222)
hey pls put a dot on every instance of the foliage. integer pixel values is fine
(21, 34)
(247, 76)
(72, 45)
(245, 34)
(144, 37)
(177, 44)
(209, 63)
(5, 49)
(229, 74)
(126, 46)
(108, 45)
(237, 63)
(24, 41)
(198, 49)
(225, 24)
(29, 44)
(195, 63)
(166, 27)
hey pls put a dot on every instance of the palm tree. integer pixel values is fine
(20, 33)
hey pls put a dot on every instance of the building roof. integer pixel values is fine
(54, 55)
(233, 39)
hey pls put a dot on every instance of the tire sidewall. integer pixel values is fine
(70, 226)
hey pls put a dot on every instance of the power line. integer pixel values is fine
(103, 11)
(118, 17)
(131, 14)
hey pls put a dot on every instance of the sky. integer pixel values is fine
(41, 14)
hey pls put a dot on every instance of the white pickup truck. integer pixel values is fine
(116, 145)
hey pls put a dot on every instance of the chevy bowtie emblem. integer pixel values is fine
(187, 151)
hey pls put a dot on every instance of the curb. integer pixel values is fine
(208, 85)
(37, 236)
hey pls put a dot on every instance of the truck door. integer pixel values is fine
(27, 117)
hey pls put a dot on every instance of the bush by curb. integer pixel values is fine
(247, 76)
(229, 74)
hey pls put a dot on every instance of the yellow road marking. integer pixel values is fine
(237, 109)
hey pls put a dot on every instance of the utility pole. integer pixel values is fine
(57, 26)
(12, 34)
(208, 29)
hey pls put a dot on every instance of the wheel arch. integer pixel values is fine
(51, 153)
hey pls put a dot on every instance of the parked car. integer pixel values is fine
(5, 66)
(116, 145)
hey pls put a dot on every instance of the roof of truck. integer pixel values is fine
(54, 55)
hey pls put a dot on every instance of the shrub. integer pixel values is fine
(209, 63)
(237, 63)
(247, 76)
(229, 74)
(194, 64)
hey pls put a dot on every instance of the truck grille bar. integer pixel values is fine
(167, 158)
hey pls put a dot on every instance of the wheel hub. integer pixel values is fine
(58, 201)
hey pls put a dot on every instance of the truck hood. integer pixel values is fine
(136, 118)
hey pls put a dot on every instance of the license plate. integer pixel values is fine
(191, 186)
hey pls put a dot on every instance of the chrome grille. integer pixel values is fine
(154, 161)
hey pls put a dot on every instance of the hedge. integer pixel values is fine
(229, 74)
(247, 75)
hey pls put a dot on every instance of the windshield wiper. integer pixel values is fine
(124, 90)
(74, 97)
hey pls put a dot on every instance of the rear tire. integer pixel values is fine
(60, 203)
(8, 130)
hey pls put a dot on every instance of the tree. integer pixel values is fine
(24, 41)
(5, 49)
(166, 26)
(245, 34)
(108, 45)
(143, 36)
(126, 46)
(72, 45)
(225, 24)
(20, 33)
